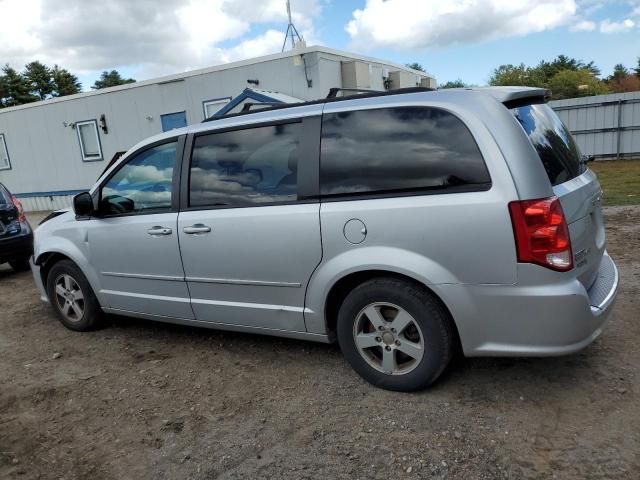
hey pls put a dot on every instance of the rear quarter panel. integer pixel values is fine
(457, 238)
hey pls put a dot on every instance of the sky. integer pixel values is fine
(453, 39)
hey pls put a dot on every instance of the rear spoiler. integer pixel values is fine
(513, 97)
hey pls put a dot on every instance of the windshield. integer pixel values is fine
(557, 149)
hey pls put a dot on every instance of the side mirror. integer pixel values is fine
(83, 204)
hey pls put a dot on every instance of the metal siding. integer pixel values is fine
(42, 204)
(585, 116)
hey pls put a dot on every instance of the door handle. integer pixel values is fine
(159, 231)
(196, 229)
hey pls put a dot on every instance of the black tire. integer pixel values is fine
(92, 314)
(437, 333)
(21, 265)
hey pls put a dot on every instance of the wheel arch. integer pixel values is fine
(346, 283)
(47, 259)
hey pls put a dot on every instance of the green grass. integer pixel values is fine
(620, 180)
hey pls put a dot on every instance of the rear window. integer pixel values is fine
(402, 149)
(5, 198)
(557, 150)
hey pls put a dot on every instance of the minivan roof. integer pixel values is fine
(510, 96)
(504, 95)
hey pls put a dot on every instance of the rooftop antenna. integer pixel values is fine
(292, 31)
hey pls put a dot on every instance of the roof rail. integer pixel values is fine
(329, 99)
(333, 92)
(247, 106)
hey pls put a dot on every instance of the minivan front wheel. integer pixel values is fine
(395, 334)
(72, 298)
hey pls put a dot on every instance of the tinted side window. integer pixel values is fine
(556, 148)
(143, 184)
(245, 167)
(398, 149)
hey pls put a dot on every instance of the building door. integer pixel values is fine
(171, 121)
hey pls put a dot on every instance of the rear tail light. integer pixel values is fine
(21, 216)
(541, 233)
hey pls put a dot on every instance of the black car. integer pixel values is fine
(16, 236)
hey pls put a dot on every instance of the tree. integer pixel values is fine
(415, 66)
(593, 70)
(619, 72)
(565, 76)
(575, 83)
(454, 84)
(38, 75)
(637, 69)
(628, 83)
(4, 92)
(512, 75)
(64, 82)
(111, 79)
(562, 62)
(15, 87)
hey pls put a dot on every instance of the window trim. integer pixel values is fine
(3, 144)
(91, 158)
(308, 181)
(226, 100)
(405, 192)
(175, 180)
(408, 192)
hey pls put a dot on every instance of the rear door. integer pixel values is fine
(249, 223)
(576, 186)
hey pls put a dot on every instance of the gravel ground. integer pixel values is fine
(142, 400)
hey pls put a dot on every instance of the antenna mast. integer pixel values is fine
(292, 31)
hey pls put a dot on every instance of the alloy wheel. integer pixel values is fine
(388, 338)
(69, 298)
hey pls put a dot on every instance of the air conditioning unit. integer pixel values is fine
(427, 82)
(402, 79)
(356, 74)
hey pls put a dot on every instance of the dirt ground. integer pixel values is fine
(143, 400)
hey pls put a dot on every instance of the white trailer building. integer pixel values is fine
(53, 149)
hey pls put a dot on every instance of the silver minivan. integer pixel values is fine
(406, 225)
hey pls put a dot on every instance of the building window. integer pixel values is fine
(5, 163)
(171, 121)
(89, 140)
(211, 107)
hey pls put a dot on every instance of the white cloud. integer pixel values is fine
(154, 36)
(583, 26)
(607, 26)
(419, 24)
(269, 42)
(273, 11)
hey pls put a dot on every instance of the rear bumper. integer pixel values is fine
(37, 277)
(533, 320)
(16, 247)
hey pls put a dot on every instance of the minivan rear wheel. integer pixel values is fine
(72, 298)
(395, 334)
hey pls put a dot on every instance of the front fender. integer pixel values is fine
(404, 262)
(70, 249)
